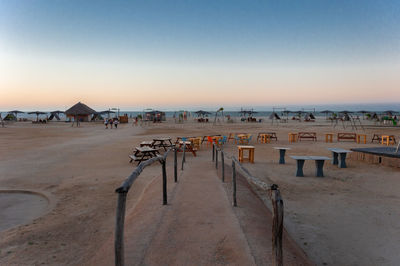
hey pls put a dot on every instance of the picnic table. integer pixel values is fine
(282, 151)
(272, 135)
(187, 145)
(148, 143)
(307, 135)
(162, 143)
(346, 136)
(342, 153)
(319, 164)
(143, 153)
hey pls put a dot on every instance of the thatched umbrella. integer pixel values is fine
(37, 113)
(345, 112)
(15, 113)
(326, 112)
(390, 112)
(363, 112)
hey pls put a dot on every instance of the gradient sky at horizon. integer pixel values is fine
(198, 53)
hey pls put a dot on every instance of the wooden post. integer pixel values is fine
(119, 230)
(277, 226)
(164, 174)
(216, 158)
(223, 166)
(213, 154)
(234, 184)
(175, 165)
(183, 156)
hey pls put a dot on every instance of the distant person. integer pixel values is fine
(116, 122)
(110, 122)
(106, 123)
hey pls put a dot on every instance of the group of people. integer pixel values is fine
(111, 122)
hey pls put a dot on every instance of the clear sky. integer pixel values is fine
(198, 53)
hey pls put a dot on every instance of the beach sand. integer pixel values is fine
(349, 217)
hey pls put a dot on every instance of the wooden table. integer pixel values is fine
(272, 135)
(250, 158)
(265, 138)
(342, 154)
(364, 136)
(388, 139)
(307, 135)
(187, 145)
(162, 143)
(243, 138)
(143, 154)
(328, 137)
(319, 164)
(292, 137)
(282, 151)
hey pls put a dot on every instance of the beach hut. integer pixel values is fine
(155, 116)
(80, 112)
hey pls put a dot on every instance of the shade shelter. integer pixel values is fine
(326, 112)
(80, 112)
(15, 113)
(202, 113)
(37, 113)
(56, 115)
(390, 112)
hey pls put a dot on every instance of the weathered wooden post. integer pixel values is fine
(277, 226)
(213, 154)
(119, 229)
(234, 184)
(183, 156)
(175, 165)
(223, 166)
(164, 174)
(216, 158)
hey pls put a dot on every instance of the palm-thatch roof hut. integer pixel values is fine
(80, 112)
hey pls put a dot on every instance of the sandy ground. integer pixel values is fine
(349, 217)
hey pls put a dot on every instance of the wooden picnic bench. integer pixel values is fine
(307, 135)
(272, 135)
(339, 152)
(188, 146)
(347, 136)
(162, 143)
(142, 154)
(319, 164)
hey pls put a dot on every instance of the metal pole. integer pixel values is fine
(164, 173)
(213, 154)
(234, 184)
(175, 165)
(119, 230)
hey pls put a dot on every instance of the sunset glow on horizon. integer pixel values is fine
(205, 53)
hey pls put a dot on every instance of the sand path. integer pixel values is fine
(199, 226)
